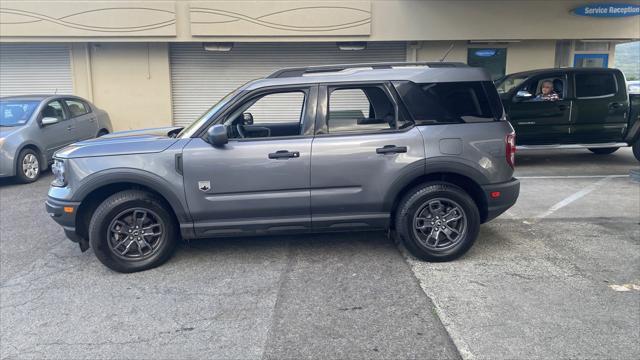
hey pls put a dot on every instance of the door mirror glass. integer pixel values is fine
(217, 135)
(49, 121)
(247, 118)
(523, 94)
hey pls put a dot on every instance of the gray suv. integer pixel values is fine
(34, 127)
(422, 149)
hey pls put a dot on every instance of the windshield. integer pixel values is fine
(191, 129)
(507, 83)
(16, 112)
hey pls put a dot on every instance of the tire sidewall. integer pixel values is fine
(636, 149)
(99, 241)
(20, 173)
(414, 201)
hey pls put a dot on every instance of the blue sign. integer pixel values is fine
(486, 52)
(608, 10)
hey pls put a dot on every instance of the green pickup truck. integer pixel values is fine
(572, 108)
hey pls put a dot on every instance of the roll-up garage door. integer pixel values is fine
(35, 69)
(200, 78)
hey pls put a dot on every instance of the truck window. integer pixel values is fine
(449, 102)
(595, 84)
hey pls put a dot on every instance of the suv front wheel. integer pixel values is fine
(132, 231)
(437, 222)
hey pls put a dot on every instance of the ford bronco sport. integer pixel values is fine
(423, 149)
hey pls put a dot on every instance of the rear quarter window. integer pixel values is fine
(450, 102)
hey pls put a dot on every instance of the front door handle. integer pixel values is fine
(562, 107)
(70, 127)
(615, 105)
(284, 154)
(391, 149)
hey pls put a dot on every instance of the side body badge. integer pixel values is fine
(204, 186)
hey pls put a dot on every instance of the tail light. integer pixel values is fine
(510, 141)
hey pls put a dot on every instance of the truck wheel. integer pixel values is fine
(636, 149)
(28, 166)
(132, 231)
(437, 222)
(604, 151)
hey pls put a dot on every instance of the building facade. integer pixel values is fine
(157, 63)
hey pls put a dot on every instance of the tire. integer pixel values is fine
(636, 149)
(102, 133)
(113, 223)
(421, 243)
(28, 166)
(604, 151)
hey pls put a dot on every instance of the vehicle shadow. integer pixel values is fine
(9, 181)
(574, 162)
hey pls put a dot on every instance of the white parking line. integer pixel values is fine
(572, 177)
(575, 196)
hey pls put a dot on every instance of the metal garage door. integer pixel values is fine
(200, 78)
(35, 69)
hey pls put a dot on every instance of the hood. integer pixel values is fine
(122, 143)
(5, 131)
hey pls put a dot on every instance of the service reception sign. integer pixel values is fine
(608, 10)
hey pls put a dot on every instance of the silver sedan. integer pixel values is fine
(34, 127)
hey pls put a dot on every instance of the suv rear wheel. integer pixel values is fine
(437, 222)
(132, 231)
(636, 149)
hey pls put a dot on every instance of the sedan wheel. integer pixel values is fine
(28, 166)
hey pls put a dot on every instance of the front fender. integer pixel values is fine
(173, 193)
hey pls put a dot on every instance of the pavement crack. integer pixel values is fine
(284, 276)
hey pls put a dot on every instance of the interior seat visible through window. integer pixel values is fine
(366, 108)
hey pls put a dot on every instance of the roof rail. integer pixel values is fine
(299, 71)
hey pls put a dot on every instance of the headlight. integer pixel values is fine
(58, 170)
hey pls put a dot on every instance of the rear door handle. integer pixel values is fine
(391, 149)
(284, 154)
(70, 127)
(562, 107)
(615, 105)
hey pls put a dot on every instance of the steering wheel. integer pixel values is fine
(240, 131)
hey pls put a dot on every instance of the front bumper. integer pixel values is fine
(508, 194)
(56, 209)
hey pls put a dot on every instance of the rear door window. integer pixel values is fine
(77, 108)
(364, 108)
(595, 84)
(450, 102)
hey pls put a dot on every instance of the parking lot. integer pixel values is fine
(546, 279)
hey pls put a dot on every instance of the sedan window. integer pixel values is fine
(16, 112)
(77, 108)
(54, 109)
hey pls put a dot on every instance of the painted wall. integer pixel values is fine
(305, 20)
(131, 81)
(525, 55)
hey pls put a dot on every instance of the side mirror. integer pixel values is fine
(522, 94)
(247, 118)
(217, 135)
(49, 121)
